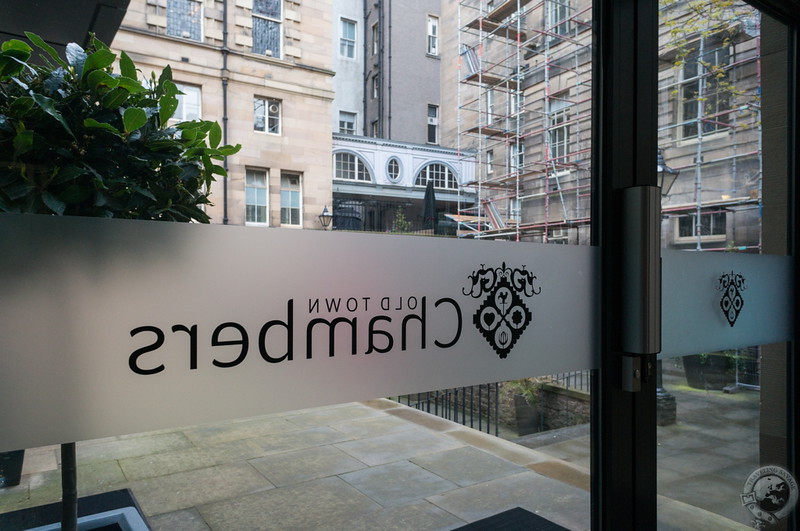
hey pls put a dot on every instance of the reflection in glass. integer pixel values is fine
(185, 19)
(714, 93)
(267, 27)
(709, 121)
(705, 457)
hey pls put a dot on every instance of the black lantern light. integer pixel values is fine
(666, 175)
(325, 218)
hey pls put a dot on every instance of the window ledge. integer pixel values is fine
(707, 137)
(693, 239)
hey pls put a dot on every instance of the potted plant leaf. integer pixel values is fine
(79, 138)
(526, 397)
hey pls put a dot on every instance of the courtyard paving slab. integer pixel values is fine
(378, 465)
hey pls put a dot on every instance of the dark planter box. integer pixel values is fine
(109, 511)
(527, 416)
(710, 373)
(11, 468)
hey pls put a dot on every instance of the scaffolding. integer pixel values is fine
(525, 109)
(710, 129)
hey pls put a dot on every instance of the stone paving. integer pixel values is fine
(379, 465)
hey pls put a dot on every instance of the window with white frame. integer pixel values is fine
(515, 209)
(267, 27)
(433, 35)
(189, 103)
(490, 104)
(291, 199)
(185, 19)
(558, 235)
(703, 94)
(516, 102)
(267, 115)
(375, 39)
(347, 39)
(347, 122)
(558, 121)
(376, 128)
(516, 156)
(375, 87)
(712, 227)
(433, 124)
(558, 14)
(489, 162)
(393, 170)
(350, 167)
(256, 192)
(441, 175)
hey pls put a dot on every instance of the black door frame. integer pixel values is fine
(624, 156)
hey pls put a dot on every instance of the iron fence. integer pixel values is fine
(576, 380)
(477, 406)
(748, 368)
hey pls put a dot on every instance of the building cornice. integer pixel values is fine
(394, 144)
(397, 191)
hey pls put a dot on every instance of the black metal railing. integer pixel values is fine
(477, 406)
(748, 368)
(576, 380)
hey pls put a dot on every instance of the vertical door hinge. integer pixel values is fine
(637, 369)
(631, 373)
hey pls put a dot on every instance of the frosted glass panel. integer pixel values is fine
(134, 325)
(717, 301)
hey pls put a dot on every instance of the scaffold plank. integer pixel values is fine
(493, 80)
(491, 131)
(504, 10)
(498, 30)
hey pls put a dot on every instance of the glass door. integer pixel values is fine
(721, 396)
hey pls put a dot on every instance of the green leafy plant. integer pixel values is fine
(686, 24)
(401, 224)
(528, 388)
(732, 359)
(78, 138)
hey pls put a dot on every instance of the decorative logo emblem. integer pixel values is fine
(731, 285)
(770, 494)
(503, 315)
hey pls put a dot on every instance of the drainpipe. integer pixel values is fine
(389, 75)
(364, 74)
(380, 70)
(225, 108)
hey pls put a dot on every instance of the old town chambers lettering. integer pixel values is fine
(351, 325)
(387, 321)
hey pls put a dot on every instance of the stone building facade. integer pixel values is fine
(404, 56)
(263, 70)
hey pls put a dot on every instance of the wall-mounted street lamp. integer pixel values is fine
(325, 218)
(666, 175)
(666, 408)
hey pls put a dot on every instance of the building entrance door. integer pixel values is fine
(722, 408)
(697, 382)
